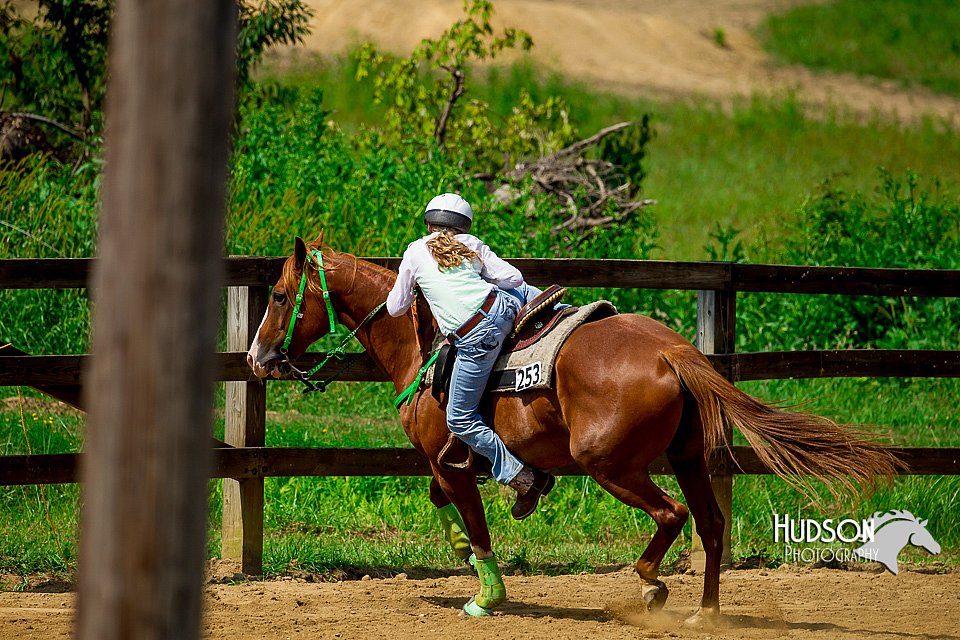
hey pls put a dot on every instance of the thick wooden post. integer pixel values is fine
(716, 331)
(246, 405)
(150, 387)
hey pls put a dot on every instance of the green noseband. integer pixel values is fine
(296, 315)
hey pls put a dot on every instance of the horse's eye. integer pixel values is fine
(279, 297)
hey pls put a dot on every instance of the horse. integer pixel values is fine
(627, 388)
(892, 532)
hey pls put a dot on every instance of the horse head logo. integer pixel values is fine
(892, 532)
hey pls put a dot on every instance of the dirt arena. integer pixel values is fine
(812, 604)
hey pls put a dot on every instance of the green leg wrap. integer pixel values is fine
(492, 589)
(455, 531)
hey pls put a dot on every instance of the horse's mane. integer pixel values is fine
(881, 519)
(333, 260)
(424, 324)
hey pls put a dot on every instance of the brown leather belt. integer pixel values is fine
(475, 319)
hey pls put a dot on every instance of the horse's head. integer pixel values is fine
(271, 348)
(893, 531)
(922, 538)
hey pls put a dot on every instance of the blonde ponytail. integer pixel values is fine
(448, 251)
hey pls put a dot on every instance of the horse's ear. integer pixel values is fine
(299, 253)
(319, 240)
(924, 523)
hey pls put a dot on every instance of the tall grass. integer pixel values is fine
(362, 524)
(910, 42)
(352, 526)
(46, 210)
(747, 166)
(39, 523)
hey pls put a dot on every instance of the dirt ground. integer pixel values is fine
(640, 47)
(812, 604)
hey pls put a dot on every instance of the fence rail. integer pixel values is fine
(252, 271)
(35, 371)
(245, 462)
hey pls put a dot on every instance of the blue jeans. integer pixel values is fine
(527, 292)
(476, 354)
(524, 293)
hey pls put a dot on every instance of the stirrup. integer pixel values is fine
(459, 466)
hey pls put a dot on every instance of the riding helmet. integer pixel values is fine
(449, 210)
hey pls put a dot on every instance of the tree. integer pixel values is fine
(594, 182)
(54, 62)
(424, 93)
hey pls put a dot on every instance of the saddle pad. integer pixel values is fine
(532, 368)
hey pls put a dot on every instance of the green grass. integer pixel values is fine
(348, 527)
(390, 525)
(39, 522)
(903, 40)
(748, 166)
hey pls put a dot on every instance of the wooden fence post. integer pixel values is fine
(151, 382)
(716, 330)
(244, 426)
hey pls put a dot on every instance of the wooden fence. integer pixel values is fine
(244, 462)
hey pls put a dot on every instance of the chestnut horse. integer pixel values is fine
(626, 389)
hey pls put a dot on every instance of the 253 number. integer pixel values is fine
(528, 376)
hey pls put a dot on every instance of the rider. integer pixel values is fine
(475, 297)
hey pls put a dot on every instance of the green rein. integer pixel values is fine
(406, 396)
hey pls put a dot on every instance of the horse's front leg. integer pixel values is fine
(460, 487)
(454, 530)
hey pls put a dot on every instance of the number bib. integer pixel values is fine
(528, 376)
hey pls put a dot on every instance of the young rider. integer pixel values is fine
(474, 296)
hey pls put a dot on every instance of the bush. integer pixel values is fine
(296, 171)
(902, 225)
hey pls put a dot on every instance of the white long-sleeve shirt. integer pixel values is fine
(453, 294)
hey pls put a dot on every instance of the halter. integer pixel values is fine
(337, 353)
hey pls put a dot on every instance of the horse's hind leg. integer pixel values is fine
(689, 465)
(636, 489)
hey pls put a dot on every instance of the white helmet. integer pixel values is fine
(449, 210)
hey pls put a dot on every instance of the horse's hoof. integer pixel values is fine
(704, 618)
(474, 610)
(654, 595)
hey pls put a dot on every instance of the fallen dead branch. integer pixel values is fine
(594, 191)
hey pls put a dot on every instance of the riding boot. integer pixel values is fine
(531, 485)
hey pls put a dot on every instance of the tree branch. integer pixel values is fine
(44, 120)
(593, 191)
(440, 132)
(579, 146)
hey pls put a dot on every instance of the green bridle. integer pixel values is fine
(337, 353)
(297, 315)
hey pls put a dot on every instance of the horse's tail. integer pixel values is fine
(792, 444)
